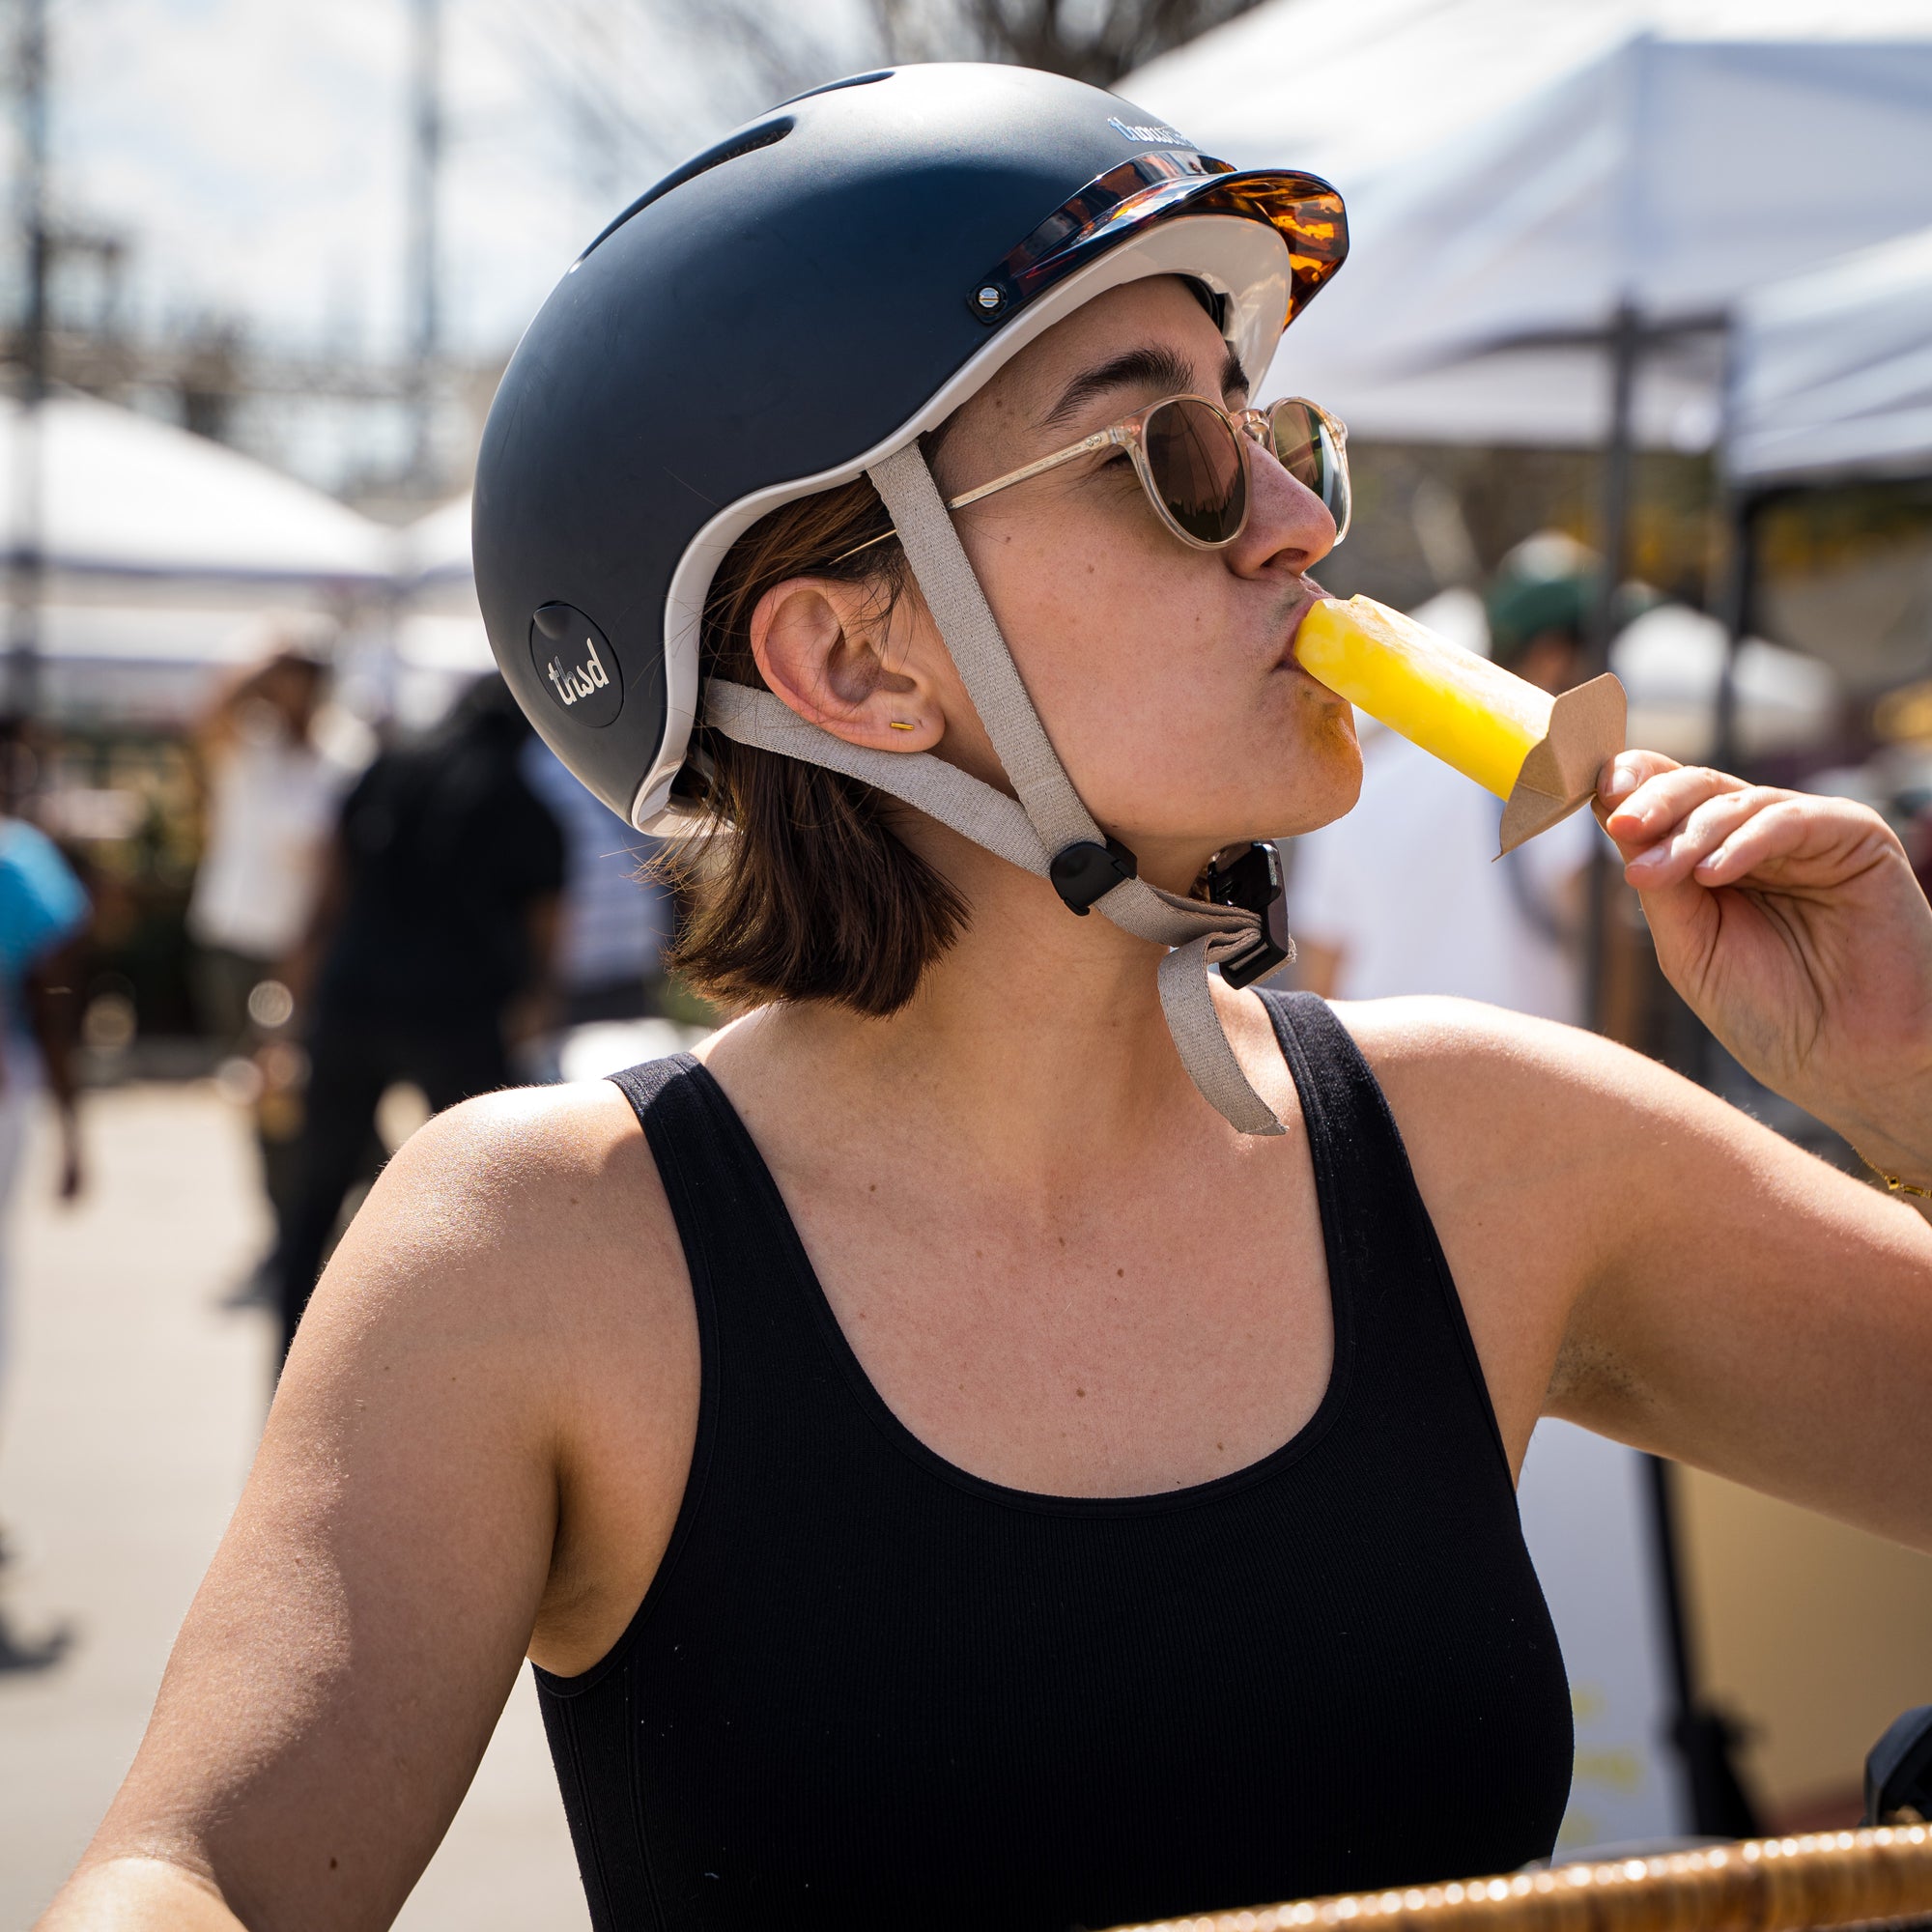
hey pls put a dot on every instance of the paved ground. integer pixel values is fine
(131, 1410)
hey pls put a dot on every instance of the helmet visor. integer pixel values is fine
(1303, 209)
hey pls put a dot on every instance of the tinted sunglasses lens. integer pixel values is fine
(1306, 448)
(1195, 459)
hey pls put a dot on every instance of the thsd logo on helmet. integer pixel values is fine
(576, 665)
(571, 685)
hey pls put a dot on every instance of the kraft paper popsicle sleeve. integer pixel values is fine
(1541, 754)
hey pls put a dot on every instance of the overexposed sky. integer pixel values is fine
(255, 152)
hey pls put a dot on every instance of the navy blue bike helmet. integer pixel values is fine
(819, 288)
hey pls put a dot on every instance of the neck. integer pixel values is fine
(1036, 1043)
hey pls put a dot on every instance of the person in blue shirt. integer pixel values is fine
(44, 908)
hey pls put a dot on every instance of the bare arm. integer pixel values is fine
(1754, 1312)
(1639, 1257)
(345, 1661)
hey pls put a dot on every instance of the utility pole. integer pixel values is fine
(425, 321)
(26, 559)
(1626, 346)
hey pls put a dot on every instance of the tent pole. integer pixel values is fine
(1734, 611)
(27, 559)
(1705, 1737)
(1626, 345)
(1626, 348)
(1734, 583)
(1732, 608)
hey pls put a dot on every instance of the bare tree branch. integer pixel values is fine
(607, 66)
(1098, 43)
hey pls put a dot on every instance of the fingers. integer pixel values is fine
(1686, 847)
(1663, 796)
(1621, 776)
(1841, 837)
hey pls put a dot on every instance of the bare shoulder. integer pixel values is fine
(498, 1365)
(1421, 1035)
(522, 1241)
(1469, 1082)
(1449, 1066)
(504, 1214)
(1503, 1114)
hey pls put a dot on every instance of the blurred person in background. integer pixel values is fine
(614, 924)
(273, 791)
(431, 953)
(1405, 895)
(44, 914)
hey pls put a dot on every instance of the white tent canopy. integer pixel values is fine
(436, 548)
(1833, 369)
(125, 496)
(1347, 88)
(440, 640)
(1582, 158)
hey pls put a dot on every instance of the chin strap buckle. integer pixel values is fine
(1252, 880)
(1085, 873)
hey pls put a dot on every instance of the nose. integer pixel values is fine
(1289, 526)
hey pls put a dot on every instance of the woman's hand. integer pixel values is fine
(1794, 929)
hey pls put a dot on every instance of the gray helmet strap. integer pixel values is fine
(1048, 821)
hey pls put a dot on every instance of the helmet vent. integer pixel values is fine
(748, 143)
(833, 86)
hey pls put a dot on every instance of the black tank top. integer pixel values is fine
(870, 1691)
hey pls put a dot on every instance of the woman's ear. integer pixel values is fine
(837, 655)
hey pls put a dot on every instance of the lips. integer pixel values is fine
(1313, 593)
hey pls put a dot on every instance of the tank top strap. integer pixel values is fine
(1393, 1276)
(730, 1219)
(750, 1281)
(642, 1084)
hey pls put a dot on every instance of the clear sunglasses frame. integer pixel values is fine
(1244, 427)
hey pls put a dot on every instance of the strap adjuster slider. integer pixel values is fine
(1085, 873)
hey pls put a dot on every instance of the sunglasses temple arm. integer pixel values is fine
(1099, 439)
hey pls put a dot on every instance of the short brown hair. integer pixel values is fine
(798, 888)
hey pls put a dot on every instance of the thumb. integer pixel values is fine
(1620, 778)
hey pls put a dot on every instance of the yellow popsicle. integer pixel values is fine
(1458, 707)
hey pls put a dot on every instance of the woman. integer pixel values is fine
(1009, 1442)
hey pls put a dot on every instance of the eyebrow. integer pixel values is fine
(1154, 366)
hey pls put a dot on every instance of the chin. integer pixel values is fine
(1326, 780)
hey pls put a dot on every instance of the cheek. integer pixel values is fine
(1158, 685)
(1145, 673)
(1115, 654)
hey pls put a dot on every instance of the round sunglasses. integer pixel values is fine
(1191, 456)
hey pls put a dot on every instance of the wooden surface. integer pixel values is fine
(1768, 1885)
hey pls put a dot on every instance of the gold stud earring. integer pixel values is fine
(898, 724)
